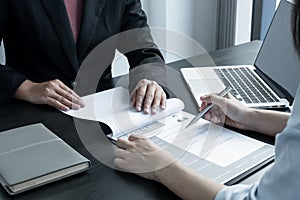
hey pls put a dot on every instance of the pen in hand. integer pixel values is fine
(207, 108)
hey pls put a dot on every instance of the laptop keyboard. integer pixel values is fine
(246, 86)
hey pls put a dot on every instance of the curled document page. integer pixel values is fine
(113, 108)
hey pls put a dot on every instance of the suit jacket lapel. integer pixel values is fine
(89, 21)
(58, 15)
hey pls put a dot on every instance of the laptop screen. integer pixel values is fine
(277, 57)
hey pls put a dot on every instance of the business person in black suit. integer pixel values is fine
(46, 41)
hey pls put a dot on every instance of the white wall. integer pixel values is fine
(155, 11)
(277, 3)
(197, 19)
(2, 55)
(205, 23)
(194, 18)
(120, 65)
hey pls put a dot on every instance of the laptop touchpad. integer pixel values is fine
(206, 86)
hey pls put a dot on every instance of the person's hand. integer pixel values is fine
(141, 156)
(53, 93)
(226, 111)
(148, 96)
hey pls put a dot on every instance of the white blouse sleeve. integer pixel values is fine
(282, 180)
(237, 192)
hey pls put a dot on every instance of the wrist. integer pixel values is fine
(24, 90)
(250, 119)
(167, 171)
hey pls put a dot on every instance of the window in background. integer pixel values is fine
(263, 11)
(227, 17)
(268, 10)
(235, 19)
(243, 21)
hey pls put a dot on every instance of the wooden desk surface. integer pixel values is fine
(102, 182)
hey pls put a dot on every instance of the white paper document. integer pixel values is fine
(113, 108)
(208, 141)
(209, 149)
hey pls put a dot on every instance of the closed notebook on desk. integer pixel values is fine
(31, 156)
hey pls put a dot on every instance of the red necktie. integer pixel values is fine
(74, 9)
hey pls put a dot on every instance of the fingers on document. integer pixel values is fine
(148, 97)
(65, 97)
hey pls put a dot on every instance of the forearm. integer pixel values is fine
(186, 183)
(10, 81)
(23, 91)
(267, 122)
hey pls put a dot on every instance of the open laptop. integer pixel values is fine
(277, 61)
